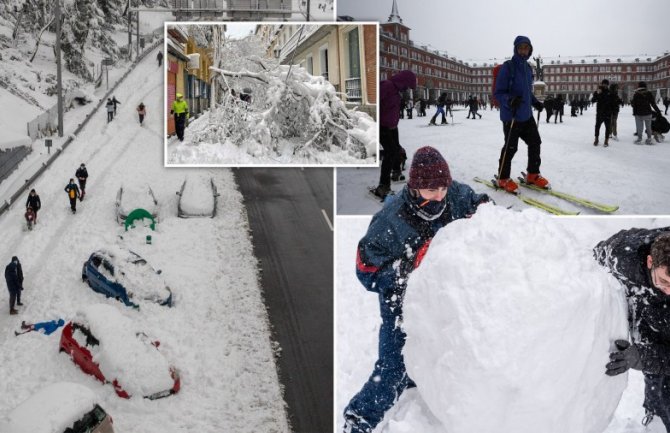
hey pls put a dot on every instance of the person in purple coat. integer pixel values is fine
(389, 115)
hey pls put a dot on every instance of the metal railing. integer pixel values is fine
(352, 87)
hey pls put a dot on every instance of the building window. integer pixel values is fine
(323, 61)
(310, 64)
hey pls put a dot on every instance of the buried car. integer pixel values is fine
(197, 198)
(105, 344)
(123, 275)
(63, 407)
(129, 198)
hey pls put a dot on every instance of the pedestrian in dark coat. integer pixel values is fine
(389, 115)
(115, 102)
(514, 91)
(109, 106)
(72, 191)
(141, 111)
(82, 176)
(159, 57)
(640, 260)
(422, 107)
(666, 102)
(604, 110)
(617, 103)
(394, 245)
(643, 106)
(558, 108)
(34, 202)
(441, 103)
(14, 279)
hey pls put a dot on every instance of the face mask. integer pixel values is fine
(428, 211)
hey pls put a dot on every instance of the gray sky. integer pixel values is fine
(484, 29)
(239, 30)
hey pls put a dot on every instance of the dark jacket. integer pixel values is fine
(389, 97)
(384, 260)
(643, 102)
(625, 255)
(115, 102)
(34, 202)
(515, 78)
(14, 277)
(604, 102)
(81, 173)
(72, 187)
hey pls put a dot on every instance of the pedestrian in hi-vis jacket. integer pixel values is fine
(73, 194)
(408, 222)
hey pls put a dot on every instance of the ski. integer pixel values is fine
(528, 200)
(571, 198)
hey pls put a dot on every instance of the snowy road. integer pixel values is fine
(217, 334)
(295, 249)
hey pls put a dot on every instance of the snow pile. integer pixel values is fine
(133, 197)
(197, 196)
(138, 366)
(52, 409)
(495, 345)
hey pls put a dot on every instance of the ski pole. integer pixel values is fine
(509, 135)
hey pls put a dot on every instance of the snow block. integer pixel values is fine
(139, 214)
(509, 326)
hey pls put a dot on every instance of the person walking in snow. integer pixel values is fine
(394, 245)
(34, 202)
(514, 90)
(617, 103)
(604, 109)
(643, 105)
(666, 102)
(441, 103)
(72, 191)
(180, 112)
(82, 176)
(390, 92)
(640, 260)
(115, 102)
(14, 280)
(141, 111)
(110, 110)
(47, 328)
(410, 108)
(159, 57)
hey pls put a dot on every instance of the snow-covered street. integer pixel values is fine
(624, 174)
(357, 327)
(216, 334)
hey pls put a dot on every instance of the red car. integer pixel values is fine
(123, 357)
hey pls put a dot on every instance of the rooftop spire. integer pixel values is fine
(395, 17)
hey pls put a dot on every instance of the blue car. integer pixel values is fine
(125, 276)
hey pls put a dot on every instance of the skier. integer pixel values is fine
(30, 217)
(115, 102)
(604, 110)
(82, 175)
(14, 280)
(159, 57)
(394, 245)
(640, 260)
(110, 110)
(141, 111)
(72, 191)
(34, 202)
(47, 328)
(180, 112)
(389, 116)
(643, 104)
(514, 90)
(617, 103)
(441, 102)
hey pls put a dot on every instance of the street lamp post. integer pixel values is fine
(59, 74)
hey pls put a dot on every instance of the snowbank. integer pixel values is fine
(197, 197)
(139, 367)
(494, 345)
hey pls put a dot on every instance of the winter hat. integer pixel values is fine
(642, 84)
(429, 170)
(605, 82)
(15, 259)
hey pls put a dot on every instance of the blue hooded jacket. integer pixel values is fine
(516, 82)
(397, 238)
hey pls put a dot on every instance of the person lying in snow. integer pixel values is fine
(47, 328)
(640, 260)
(408, 222)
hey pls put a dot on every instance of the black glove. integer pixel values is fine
(538, 106)
(626, 357)
(515, 102)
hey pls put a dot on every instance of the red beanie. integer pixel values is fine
(429, 170)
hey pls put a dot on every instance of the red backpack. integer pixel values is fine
(496, 71)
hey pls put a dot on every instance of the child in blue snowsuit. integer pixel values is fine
(408, 222)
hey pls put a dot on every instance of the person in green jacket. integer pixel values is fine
(180, 112)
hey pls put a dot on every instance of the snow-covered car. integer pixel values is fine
(121, 274)
(63, 407)
(105, 344)
(130, 198)
(197, 198)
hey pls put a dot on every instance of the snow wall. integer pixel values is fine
(509, 327)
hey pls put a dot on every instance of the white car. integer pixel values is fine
(63, 407)
(197, 198)
(130, 198)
